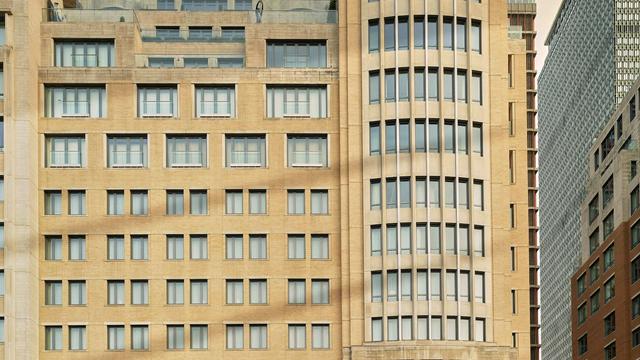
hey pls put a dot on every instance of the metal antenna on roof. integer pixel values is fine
(259, 9)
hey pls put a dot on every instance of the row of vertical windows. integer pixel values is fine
(428, 328)
(199, 337)
(186, 151)
(426, 136)
(396, 85)
(428, 285)
(428, 239)
(198, 294)
(256, 246)
(455, 193)
(198, 202)
(210, 101)
(421, 31)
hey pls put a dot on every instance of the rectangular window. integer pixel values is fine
(139, 247)
(115, 291)
(594, 239)
(594, 206)
(319, 202)
(436, 328)
(609, 323)
(199, 292)
(77, 338)
(175, 202)
(198, 247)
(193, 62)
(480, 330)
(139, 202)
(376, 241)
(476, 36)
(246, 151)
(418, 32)
(434, 192)
(115, 202)
(77, 247)
(434, 238)
(175, 337)
(478, 241)
(451, 282)
(419, 86)
(84, 53)
(610, 351)
(635, 307)
(154, 101)
(375, 196)
(297, 291)
(175, 247)
(461, 34)
(175, 292)
(139, 292)
(215, 101)
(234, 247)
(595, 301)
(186, 151)
(390, 137)
(296, 54)
(200, 33)
(53, 337)
(115, 337)
(320, 336)
(392, 239)
(295, 202)
(257, 291)
(433, 84)
(450, 239)
(75, 101)
(235, 292)
(374, 35)
(461, 86)
(139, 337)
(463, 193)
(77, 292)
(392, 329)
(476, 87)
(436, 292)
(607, 192)
(65, 151)
(421, 238)
(389, 34)
(232, 33)
(53, 247)
(609, 289)
(52, 202)
(258, 247)
(374, 87)
(421, 192)
(514, 302)
(465, 329)
(608, 257)
(376, 329)
(307, 150)
(447, 27)
(420, 135)
(512, 118)
(199, 337)
(161, 62)
(452, 328)
(392, 193)
(257, 202)
(296, 248)
(479, 287)
(258, 336)
(607, 225)
(512, 216)
(374, 138)
(235, 337)
(478, 195)
(403, 33)
(297, 336)
(390, 85)
(403, 85)
(405, 192)
(297, 101)
(319, 291)
(198, 202)
(449, 138)
(77, 202)
(376, 286)
(115, 245)
(233, 202)
(319, 247)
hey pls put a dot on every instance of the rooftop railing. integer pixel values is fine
(294, 16)
(200, 5)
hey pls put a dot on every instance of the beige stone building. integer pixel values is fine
(312, 179)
